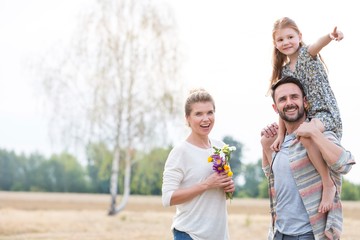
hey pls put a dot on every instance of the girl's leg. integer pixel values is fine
(275, 146)
(329, 188)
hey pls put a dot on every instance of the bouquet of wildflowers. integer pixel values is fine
(221, 162)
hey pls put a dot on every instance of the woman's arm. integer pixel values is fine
(215, 180)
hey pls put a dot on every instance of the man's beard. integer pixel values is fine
(299, 115)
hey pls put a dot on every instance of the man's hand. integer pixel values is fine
(308, 129)
(270, 130)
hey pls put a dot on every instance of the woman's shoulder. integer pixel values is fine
(177, 152)
(179, 146)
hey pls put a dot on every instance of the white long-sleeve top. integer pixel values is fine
(205, 216)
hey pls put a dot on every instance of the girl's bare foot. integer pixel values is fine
(327, 198)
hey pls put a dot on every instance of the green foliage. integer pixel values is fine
(235, 161)
(253, 177)
(236, 156)
(147, 172)
(32, 171)
(99, 160)
(9, 169)
(264, 189)
(350, 191)
(64, 173)
(61, 173)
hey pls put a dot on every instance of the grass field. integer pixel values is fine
(48, 216)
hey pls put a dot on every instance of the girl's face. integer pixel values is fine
(287, 41)
(202, 117)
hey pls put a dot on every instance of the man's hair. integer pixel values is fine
(283, 80)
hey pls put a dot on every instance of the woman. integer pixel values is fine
(190, 183)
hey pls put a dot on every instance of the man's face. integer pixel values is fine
(289, 102)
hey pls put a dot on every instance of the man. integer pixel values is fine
(295, 186)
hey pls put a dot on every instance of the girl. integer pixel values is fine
(292, 57)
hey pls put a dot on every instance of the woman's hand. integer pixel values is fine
(221, 180)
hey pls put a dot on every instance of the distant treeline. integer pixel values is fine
(64, 173)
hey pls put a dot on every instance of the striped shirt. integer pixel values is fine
(308, 181)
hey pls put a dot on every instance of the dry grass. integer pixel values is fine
(48, 216)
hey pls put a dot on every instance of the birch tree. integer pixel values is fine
(118, 83)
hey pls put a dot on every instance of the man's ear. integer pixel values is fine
(275, 108)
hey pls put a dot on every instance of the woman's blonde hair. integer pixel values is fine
(197, 95)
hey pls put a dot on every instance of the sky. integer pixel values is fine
(226, 47)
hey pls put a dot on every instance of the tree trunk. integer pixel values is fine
(114, 180)
(114, 209)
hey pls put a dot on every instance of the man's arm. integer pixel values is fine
(268, 136)
(330, 151)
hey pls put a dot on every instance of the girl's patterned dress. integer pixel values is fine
(312, 74)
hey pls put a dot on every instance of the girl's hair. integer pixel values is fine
(279, 59)
(197, 95)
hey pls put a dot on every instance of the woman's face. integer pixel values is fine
(202, 117)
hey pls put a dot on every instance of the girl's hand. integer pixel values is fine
(336, 35)
(277, 143)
